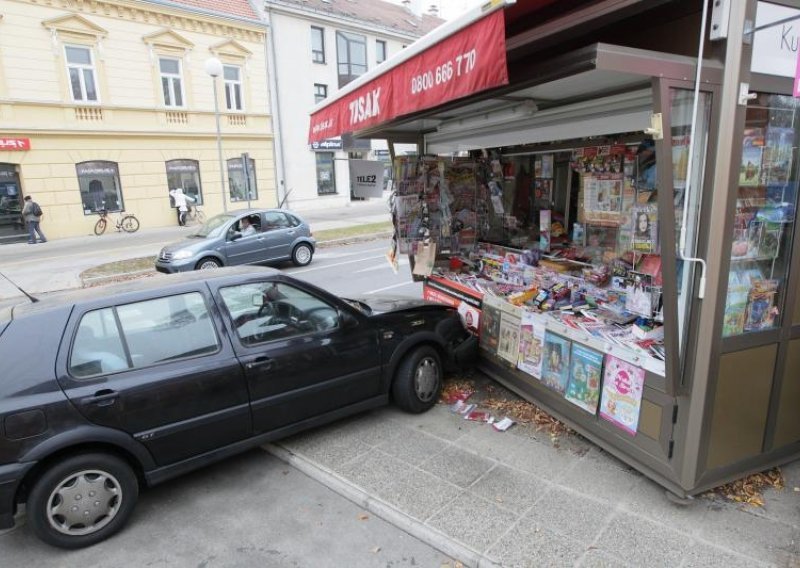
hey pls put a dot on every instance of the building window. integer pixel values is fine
(351, 51)
(100, 187)
(326, 180)
(380, 51)
(81, 72)
(320, 92)
(171, 81)
(239, 184)
(317, 45)
(185, 174)
(233, 87)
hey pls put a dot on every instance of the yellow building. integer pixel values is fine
(109, 104)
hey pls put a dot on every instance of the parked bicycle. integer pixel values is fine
(195, 214)
(124, 222)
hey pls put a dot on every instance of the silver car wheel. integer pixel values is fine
(208, 265)
(302, 255)
(426, 379)
(84, 502)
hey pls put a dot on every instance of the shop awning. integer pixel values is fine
(458, 59)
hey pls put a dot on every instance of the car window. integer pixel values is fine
(168, 328)
(97, 347)
(267, 311)
(275, 220)
(212, 227)
(293, 221)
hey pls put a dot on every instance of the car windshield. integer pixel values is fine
(212, 227)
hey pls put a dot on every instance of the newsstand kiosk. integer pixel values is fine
(615, 221)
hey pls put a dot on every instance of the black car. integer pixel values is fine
(105, 390)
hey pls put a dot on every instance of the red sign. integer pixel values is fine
(15, 144)
(470, 61)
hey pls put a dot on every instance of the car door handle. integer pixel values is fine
(259, 362)
(105, 397)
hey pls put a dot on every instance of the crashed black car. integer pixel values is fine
(106, 390)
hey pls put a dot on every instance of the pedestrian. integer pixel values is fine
(182, 204)
(32, 214)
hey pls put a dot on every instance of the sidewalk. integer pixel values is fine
(514, 499)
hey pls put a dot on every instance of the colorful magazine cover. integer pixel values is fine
(752, 150)
(508, 346)
(584, 379)
(555, 365)
(531, 345)
(490, 327)
(621, 400)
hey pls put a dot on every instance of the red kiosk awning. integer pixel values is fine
(470, 60)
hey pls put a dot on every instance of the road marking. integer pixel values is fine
(402, 262)
(390, 287)
(323, 267)
(344, 254)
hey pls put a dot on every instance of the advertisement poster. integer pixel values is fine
(645, 229)
(531, 345)
(621, 399)
(366, 177)
(508, 347)
(555, 366)
(584, 378)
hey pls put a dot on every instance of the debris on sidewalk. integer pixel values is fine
(503, 425)
(749, 489)
(453, 391)
(362, 517)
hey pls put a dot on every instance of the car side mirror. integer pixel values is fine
(347, 320)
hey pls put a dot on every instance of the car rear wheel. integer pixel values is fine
(82, 500)
(418, 380)
(208, 263)
(302, 254)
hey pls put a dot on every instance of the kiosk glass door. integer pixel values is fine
(12, 228)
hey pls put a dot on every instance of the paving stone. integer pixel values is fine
(780, 505)
(510, 488)
(705, 556)
(649, 499)
(418, 494)
(737, 529)
(475, 522)
(642, 542)
(373, 428)
(440, 422)
(601, 476)
(598, 559)
(371, 470)
(525, 547)
(412, 446)
(570, 514)
(327, 448)
(457, 466)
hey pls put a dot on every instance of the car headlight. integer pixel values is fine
(182, 254)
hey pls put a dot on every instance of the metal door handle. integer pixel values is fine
(264, 362)
(105, 397)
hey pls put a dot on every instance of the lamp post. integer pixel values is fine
(213, 67)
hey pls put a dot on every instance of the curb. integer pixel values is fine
(322, 244)
(388, 513)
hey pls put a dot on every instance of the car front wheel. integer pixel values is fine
(302, 254)
(82, 500)
(208, 263)
(418, 380)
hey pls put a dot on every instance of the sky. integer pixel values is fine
(448, 9)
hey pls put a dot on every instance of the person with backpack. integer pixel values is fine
(32, 214)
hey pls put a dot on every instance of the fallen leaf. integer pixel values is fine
(376, 550)
(362, 517)
(498, 499)
(458, 565)
(749, 489)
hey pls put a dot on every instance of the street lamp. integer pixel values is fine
(213, 67)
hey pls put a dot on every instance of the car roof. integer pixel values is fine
(237, 212)
(165, 281)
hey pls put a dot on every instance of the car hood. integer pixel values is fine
(187, 243)
(385, 304)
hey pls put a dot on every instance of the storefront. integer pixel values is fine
(617, 225)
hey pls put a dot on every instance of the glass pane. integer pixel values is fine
(252, 176)
(358, 52)
(167, 328)
(75, 83)
(682, 101)
(97, 348)
(185, 174)
(165, 89)
(237, 95)
(88, 80)
(100, 187)
(169, 66)
(236, 180)
(326, 181)
(231, 73)
(178, 92)
(78, 55)
(316, 39)
(380, 51)
(342, 53)
(228, 102)
(764, 219)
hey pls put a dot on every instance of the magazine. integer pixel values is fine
(508, 346)
(531, 345)
(584, 378)
(621, 399)
(555, 366)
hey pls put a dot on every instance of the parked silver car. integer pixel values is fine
(246, 236)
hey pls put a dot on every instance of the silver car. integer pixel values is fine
(246, 236)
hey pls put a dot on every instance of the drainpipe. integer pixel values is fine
(272, 71)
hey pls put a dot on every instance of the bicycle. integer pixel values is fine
(196, 214)
(126, 222)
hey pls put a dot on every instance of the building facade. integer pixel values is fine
(108, 105)
(319, 46)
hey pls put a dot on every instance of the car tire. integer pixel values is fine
(103, 488)
(208, 263)
(302, 254)
(418, 381)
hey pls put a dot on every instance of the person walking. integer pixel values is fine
(32, 214)
(182, 204)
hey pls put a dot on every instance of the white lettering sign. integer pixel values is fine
(775, 47)
(365, 107)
